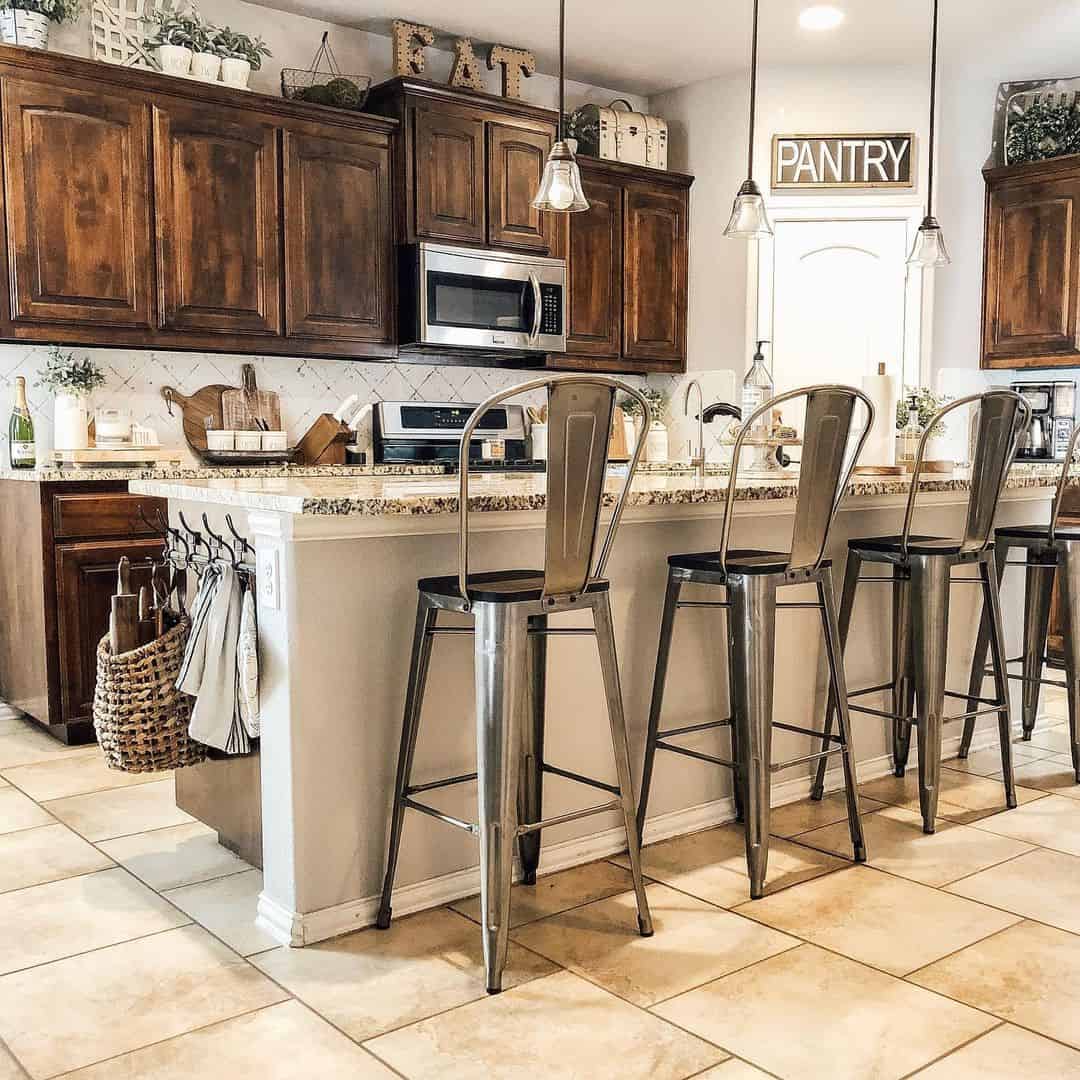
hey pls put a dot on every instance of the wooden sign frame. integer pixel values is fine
(907, 184)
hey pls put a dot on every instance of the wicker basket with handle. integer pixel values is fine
(141, 719)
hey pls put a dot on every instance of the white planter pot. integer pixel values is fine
(27, 28)
(206, 66)
(235, 73)
(71, 421)
(174, 59)
(656, 443)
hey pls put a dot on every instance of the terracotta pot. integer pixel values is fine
(27, 28)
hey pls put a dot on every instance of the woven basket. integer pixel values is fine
(141, 719)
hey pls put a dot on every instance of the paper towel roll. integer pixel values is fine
(880, 447)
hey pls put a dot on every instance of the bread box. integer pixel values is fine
(616, 132)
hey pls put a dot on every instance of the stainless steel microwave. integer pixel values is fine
(477, 299)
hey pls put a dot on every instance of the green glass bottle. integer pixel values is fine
(21, 430)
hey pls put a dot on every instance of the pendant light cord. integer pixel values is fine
(753, 92)
(562, 65)
(933, 114)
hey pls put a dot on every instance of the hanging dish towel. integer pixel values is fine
(191, 669)
(247, 666)
(215, 719)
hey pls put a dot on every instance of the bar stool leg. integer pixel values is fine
(663, 655)
(1001, 683)
(1038, 592)
(501, 661)
(835, 637)
(1069, 588)
(982, 643)
(903, 662)
(410, 728)
(847, 604)
(609, 666)
(930, 607)
(753, 636)
(532, 773)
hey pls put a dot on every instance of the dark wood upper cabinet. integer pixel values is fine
(595, 273)
(216, 181)
(1031, 270)
(338, 238)
(449, 152)
(515, 166)
(77, 205)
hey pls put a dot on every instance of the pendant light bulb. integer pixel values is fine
(749, 217)
(929, 249)
(560, 187)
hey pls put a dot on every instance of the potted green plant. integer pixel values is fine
(240, 56)
(26, 22)
(206, 63)
(71, 381)
(173, 41)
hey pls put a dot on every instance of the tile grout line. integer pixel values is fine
(954, 1050)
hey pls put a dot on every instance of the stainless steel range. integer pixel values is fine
(429, 432)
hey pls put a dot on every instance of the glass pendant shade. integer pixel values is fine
(560, 189)
(930, 248)
(749, 218)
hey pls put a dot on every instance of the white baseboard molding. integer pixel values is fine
(298, 929)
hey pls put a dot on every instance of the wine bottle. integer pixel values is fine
(21, 430)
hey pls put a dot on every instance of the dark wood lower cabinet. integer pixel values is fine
(59, 547)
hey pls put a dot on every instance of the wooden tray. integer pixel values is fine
(249, 457)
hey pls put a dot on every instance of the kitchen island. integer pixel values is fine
(337, 562)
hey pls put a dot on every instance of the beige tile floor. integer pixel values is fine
(949, 957)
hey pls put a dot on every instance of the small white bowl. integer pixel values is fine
(277, 441)
(221, 440)
(249, 440)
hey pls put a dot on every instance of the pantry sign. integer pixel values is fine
(843, 161)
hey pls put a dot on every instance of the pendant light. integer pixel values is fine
(930, 249)
(560, 189)
(749, 218)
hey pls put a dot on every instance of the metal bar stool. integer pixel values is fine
(920, 579)
(1050, 551)
(510, 611)
(751, 580)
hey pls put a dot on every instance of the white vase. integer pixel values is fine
(206, 66)
(71, 421)
(630, 430)
(235, 72)
(656, 443)
(174, 59)
(27, 28)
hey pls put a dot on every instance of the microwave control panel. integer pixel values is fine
(551, 309)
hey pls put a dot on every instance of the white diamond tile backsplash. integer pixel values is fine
(307, 388)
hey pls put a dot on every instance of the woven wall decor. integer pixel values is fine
(117, 29)
(466, 73)
(515, 63)
(410, 40)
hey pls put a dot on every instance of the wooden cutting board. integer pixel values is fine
(242, 409)
(196, 408)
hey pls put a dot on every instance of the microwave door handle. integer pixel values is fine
(538, 302)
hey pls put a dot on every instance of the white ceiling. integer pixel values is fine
(645, 46)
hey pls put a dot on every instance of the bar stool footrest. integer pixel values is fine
(574, 815)
(566, 774)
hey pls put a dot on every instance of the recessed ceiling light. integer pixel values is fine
(821, 17)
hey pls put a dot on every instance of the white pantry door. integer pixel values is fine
(835, 293)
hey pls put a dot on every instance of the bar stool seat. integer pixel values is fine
(1035, 532)
(744, 561)
(498, 587)
(915, 545)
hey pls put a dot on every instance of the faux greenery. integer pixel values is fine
(65, 373)
(1043, 131)
(929, 404)
(231, 44)
(174, 28)
(657, 404)
(56, 11)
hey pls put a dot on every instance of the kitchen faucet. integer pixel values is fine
(698, 462)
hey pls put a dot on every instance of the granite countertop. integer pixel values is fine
(381, 496)
(53, 474)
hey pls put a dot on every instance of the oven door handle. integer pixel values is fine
(538, 312)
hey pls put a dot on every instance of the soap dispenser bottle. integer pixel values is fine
(757, 389)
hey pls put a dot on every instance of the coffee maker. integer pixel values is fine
(1053, 414)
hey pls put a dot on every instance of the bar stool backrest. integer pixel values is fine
(1063, 483)
(1003, 416)
(580, 410)
(827, 464)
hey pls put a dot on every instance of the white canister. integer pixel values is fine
(27, 28)
(71, 422)
(221, 440)
(235, 72)
(276, 441)
(174, 59)
(656, 443)
(249, 441)
(206, 66)
(539, 442)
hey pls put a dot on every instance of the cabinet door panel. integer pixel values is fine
(338, 239)
(515, 162)
(594, 273)
(449, 179)
(85, 583)
(1031, 271)
(216, 182)
(654, 285)
(76, 170)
